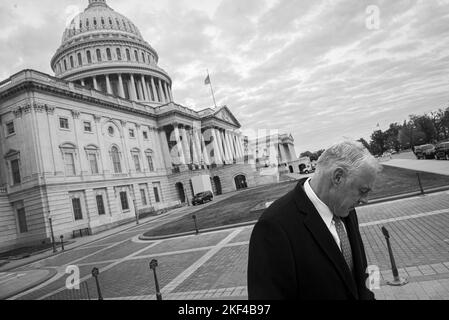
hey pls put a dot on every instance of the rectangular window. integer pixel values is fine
(64, 123)
(143, 196)
(76, 203)
(10, 128)
(131, 133)
(15, 168)
(156, 194)
(93, 163)
(145, 135)
(100, 205)
(137, 162)
(150, 163)
(124, 200)
(21, 216)
(69, 161)
(87, 126)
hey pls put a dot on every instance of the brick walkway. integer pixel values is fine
(213, 265)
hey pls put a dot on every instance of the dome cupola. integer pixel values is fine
(104, 50)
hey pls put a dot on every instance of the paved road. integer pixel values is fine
(213, 265)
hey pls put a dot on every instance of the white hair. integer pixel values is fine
(348, 155)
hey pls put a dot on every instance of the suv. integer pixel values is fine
(442, 151)
(202, 197)
(425, 151)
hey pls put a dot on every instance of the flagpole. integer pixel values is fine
(211, 88)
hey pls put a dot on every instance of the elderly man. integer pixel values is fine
(307, 244)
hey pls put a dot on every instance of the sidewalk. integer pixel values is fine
(432, 166)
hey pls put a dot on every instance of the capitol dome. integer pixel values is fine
(104, 50)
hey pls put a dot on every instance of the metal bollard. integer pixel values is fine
(95, 273)
(420, 184)
(62, 242)
(398, 281)
(153, 265)
(196, 226)
(52, 236)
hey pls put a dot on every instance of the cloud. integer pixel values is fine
(311, 68)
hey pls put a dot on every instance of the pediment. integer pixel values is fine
(226, 115)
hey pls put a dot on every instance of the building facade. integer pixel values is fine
(103, 139)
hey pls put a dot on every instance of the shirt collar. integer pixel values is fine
(324, 211)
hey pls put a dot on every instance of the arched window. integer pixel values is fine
(115, 156)
(124, 24)
(110, 22)
(119, 54)
(80, 60)
(149, 156)
(65, 65)
(98, 55)
(128, 55)
(136, 55)
(71, 62)
(87, 23)
(149, 59)
(81, 24)
(143, 57)
(95, 22)
(89, 57)
(102, 21)
(108, 53)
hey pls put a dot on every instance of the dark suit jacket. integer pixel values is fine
(292, 254)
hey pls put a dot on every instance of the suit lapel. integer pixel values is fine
(323, 237)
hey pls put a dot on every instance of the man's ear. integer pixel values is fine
(338, 176)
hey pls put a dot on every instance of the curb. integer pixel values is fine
(189, 233)
(51, 274)
(248, 223)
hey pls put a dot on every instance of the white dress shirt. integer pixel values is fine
(324, 211)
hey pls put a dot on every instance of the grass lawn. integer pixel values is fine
(392, 181)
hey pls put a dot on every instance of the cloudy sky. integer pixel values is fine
(322, 70)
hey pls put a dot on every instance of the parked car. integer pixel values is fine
(442, 151)
(202, 197)
(425, 151)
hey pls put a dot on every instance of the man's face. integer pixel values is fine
(353, 190)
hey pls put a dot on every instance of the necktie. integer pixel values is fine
(344, 242)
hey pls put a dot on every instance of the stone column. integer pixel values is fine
(121, 90)
(145, 88)
(103, 152)
(165, 148)
(95, 83)
(150, 96)
(108, 85)
(170, 93)
(186, 145)
(227, 148)
(203, 148)
(139, 90)
(179, 146)
(160, 91)
(156, 94)
(133, 92)
(222, 146)
(217, 151)
(82, 82)
(196, 147)
(126, 151)
(232, 154)
(166, 91)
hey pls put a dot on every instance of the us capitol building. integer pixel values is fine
(104, 137)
